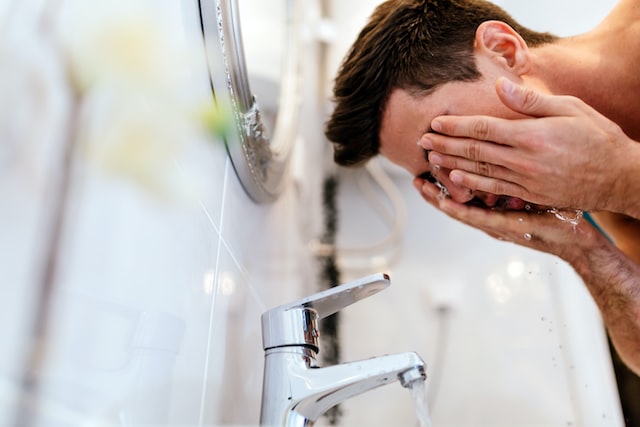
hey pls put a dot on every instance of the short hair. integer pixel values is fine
(415, 45)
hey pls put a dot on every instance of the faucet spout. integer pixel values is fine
(295, 391)
(308, 392)
(329, 386)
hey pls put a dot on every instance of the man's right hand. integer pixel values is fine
(565, 154)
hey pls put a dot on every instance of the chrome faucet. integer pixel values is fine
(296, 392)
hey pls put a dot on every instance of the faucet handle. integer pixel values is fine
(335, 299)
(295, 323)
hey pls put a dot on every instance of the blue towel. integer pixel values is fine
(593, 222)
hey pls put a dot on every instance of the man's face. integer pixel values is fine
(406, 118)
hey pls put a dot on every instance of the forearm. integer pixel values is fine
(614, 283)
(611, 277)
(627, 191)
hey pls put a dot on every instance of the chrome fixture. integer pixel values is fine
(295, 391)
(260, 156)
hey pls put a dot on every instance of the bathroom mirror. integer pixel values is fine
(255, 80)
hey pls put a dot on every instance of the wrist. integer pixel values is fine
(612, 279)
(589, 245)
(624, 195)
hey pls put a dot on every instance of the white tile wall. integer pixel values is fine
(155, 318)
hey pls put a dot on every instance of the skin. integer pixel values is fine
(538, 159)
(406, 118)
(612, 279)
(611, 275)
(550, 159)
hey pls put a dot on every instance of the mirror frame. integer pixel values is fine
(261, 163)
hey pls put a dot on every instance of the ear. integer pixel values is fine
(500, 41)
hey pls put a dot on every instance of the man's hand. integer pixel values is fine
(612, 278)
(542, 229)
(565, 155)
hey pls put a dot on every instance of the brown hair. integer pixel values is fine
(415, 45)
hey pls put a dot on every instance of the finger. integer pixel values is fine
(471, 215)
(484, 128)
(478, 218)
(489, 185)
(472, 149)
(428, 190)
(533, 103)
(500, 225)
(474, 167)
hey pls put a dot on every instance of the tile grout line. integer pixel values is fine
(214, 291)
(235, 260)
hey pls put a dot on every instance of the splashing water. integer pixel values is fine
(571, 216)
(444, 193)
(419, 394)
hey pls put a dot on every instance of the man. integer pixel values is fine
(416, 60)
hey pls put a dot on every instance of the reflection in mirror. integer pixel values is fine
(262, 67)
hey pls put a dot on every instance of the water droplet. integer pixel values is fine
(444, 193)
(528, 236)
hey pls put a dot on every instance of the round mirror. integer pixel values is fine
(255, 82)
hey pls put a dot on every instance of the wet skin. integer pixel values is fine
(407, 118)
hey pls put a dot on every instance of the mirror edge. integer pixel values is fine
(261, 164)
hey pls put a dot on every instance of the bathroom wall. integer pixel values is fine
(140, 303)
(133, 290)
(510, 336)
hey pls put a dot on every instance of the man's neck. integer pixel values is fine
(598, 66)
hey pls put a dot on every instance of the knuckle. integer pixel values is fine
(537, 142)
(574, 105)
(484, 168)
(480, 129)
(502, 188)
(612, 131)
(529, 171)
(473, 151)
(534, 140)
(575, 102)
(530, 99)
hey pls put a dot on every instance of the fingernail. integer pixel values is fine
(455, 177)
(435, 158)
(427, 190)
(425, 142)
(436, 125)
